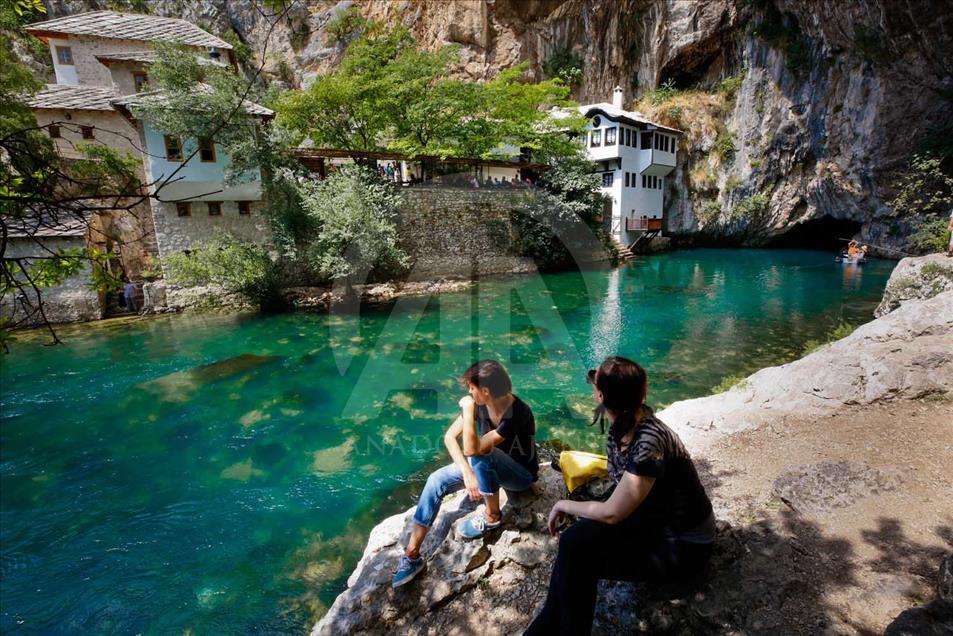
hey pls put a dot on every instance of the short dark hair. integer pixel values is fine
(489, 374)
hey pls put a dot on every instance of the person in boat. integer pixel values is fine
(498, 432)
(658, 523)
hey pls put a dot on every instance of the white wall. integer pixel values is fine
(65, 73)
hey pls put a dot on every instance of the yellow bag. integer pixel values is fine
(578, 467)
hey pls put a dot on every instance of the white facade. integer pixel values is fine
(633, 155)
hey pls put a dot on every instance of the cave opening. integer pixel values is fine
(825, 233)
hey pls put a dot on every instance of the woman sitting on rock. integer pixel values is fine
(656, 525)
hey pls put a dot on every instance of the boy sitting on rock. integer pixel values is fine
(499, 451)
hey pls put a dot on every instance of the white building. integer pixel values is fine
(634, 155)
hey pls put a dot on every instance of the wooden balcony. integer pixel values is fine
(643, 225)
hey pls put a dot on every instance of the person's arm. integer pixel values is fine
(450, 441)
(474, 444)
(627, 496)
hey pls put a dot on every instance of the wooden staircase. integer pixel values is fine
(644, 238)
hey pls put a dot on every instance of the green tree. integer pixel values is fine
(236, 266)
(355, 212)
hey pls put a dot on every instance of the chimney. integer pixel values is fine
(617, 97)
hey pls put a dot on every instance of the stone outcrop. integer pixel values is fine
(916, 278)
(906, 354)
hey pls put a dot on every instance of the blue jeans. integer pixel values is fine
(493, 471)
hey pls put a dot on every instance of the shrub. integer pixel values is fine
(724, 146)
(355, 212)
(755, 163)
(243, 52)
(732, 183)
(731, 84)
(930, 234)
(564, 64)
(344, 26)
(663, 93)
(709, 212)
(752, 209)
(235, 265)
(924, 186)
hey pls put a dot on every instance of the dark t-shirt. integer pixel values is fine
(518, 429)
(677, 502)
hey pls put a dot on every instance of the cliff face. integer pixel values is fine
(834, 95)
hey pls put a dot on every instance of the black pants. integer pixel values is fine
(590, 551)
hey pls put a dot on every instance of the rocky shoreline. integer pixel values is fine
(782, 533)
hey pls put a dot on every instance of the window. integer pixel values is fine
(139, 79)
(214, 208)
(610, 136)
(607, 178)
(628, 136)
(173, 148)
(64, 55)
(595, 138)
(54, 131)
(87, 132)
(627, 179)
(644, 181)
(207, 150)
(647, 140)
(183, 208)
(244, 208)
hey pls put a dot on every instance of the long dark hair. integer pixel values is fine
(624, 386)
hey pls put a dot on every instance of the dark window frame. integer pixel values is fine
(53, 130)
(183, 208)
(139, 84)
(169, 156)
(206, 144)
(627, 179)
(608, 178)
(214, 208)
(610, 132)
(64, 55)
(595, 138)
(244, 208)
(646, 141)
(88, 132)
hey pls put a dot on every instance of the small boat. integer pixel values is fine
(850, 260)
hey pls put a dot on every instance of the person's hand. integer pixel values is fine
(470, 483)
(554, 516)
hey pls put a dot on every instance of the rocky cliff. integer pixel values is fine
(829, 97)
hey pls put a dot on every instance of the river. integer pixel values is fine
(219, 474)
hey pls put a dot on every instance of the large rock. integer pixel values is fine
(916, 278)
(905, 354)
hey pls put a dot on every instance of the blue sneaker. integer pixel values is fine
(407, 569)
(476, 526)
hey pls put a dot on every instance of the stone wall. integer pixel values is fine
(176, 233)
(459, 232)
(73, 301)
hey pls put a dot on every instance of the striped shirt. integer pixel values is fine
(677, 502)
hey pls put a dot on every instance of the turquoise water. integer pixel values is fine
(220, 474)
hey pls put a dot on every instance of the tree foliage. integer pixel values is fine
(389, 95)
(236, 266)
(355, 214)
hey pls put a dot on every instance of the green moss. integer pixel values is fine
(755, 163)
(732, 183)
(752, 209)
(731, 84)
(729, 382)
(708, 212)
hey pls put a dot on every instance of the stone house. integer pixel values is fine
(101, 61)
